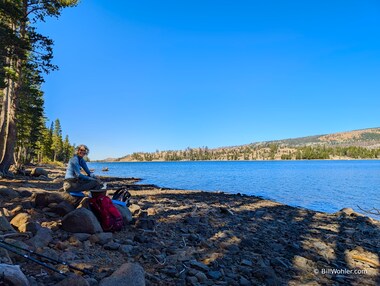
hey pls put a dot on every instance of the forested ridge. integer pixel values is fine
(25, 57)
(358, 144)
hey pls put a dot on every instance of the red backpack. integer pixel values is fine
(108, 215)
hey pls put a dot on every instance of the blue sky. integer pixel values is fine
(147, 75)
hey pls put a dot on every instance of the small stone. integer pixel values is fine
(246, 262)
(127, 274)
(199, 265)
(192, 280)
(101, 238)
(82, 236)
(244, 282)
(73, 279)
(135, 209)
(111, 246)
(215, 275)
(151, 211)
(126, 249)
(201, 277)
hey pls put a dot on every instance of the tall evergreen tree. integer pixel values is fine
(21, 48)
(57, 144)
(68, 150)
(30, 118)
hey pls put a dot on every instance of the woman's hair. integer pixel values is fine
(82, 146)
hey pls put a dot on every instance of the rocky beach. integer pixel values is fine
(178, 237)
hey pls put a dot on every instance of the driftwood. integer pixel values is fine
(373, 211)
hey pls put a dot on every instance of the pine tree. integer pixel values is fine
(67, 151)
(57, 144)
(22, 48)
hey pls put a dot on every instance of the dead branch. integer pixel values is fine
(373, 211)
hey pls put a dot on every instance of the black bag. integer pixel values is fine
(122, 195)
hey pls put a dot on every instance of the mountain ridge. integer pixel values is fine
(357, 144)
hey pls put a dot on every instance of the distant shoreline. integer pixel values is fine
(275, 160)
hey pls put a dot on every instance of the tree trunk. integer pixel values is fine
(9, 140)
(4, 116)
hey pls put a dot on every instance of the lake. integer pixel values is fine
(326, 186)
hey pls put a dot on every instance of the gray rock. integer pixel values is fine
(126, 249)
(18, 243)
(246, 262)
(92, 281)
(42, 238)
(147, 224)
(82, 236)
(244, 282)
(131, 274)
(201, 277)
(125, 213)
(5, 224)
(12, 275)
(68, 256)
(25, 194)
(101, 238)
(49, 252)
(199, 265)
(81, 220)
(5, 257)
(43, 199)
(8, 193)
(111, 246)
(281, 262)
(263, 272)
(73, 279)
(63, 208)
(215, 275)
(32, 227)
(192, 280)
(27, 205)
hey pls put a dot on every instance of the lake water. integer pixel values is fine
(326, 186)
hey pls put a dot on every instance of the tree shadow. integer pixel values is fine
(250, 241)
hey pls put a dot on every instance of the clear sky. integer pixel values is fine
(147, 75)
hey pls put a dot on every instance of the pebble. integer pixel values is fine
(111, 246)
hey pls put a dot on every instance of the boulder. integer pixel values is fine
(12, 275)
(81, 220)
(36, 172)
(131, 274)
(7, 193)
(44, 199)
(63, 208)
